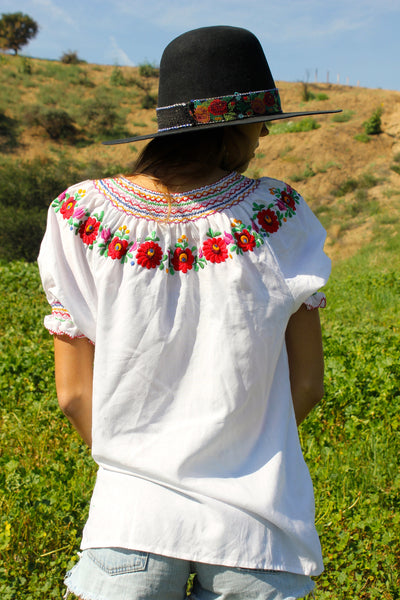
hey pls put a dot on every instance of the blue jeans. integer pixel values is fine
(121, 574)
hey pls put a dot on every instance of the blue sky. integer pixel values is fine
(357, 40)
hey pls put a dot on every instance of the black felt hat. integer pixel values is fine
(214, 77)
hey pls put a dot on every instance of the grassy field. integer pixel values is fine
(350, 441)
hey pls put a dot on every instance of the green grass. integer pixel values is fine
(364, 182)
(343, 117)
(362, 137)
(297, 126)
(350, 441)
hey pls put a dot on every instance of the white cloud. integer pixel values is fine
(117, 55)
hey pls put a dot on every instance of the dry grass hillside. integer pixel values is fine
(351, 180)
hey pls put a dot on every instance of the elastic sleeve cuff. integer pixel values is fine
(317, 300)
(60, 322)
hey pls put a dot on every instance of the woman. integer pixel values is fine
(185, 345)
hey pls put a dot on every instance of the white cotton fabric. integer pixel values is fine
(193, 423)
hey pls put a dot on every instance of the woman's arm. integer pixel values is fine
(306, 361)
(74, 376)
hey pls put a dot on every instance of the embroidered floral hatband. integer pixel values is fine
(234, 107)
(237, 106)
(147, 253)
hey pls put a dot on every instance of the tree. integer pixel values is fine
(16, 29)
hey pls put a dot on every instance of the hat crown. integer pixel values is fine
(212, 62)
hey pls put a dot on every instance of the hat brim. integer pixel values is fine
(194, 128)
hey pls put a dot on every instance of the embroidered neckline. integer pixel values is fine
(139, 202)
(184, 255)
(193, 193)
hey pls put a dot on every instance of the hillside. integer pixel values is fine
(352, 184)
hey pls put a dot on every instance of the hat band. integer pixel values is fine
(218, 110)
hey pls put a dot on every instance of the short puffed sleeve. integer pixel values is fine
(66, 277)
(299, 250)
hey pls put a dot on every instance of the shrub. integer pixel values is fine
(396, 169)
(26, 190)
(346, 187)
(101, 116)
(57, 122)
(117, 77)
(25, 65)
(149, 101)
(306, 174)
(306, 93)
(21, 233)
(71, 58)
(8, 132)
(148, 70)
(374, 125)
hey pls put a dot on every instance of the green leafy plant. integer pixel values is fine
(374, 124)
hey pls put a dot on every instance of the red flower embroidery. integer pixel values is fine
(269, 99)
(258, 106)
(88, 230)
(117, 248)
(268, 220)
(288, 200)
(149, 255)
(215, 250)
(245, 240)
(67, 209)
(218, 107)
(182, 260)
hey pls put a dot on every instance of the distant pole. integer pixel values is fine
(327, 77)
(316, 75)
(358, 83)
(338, 78)
(347, 81)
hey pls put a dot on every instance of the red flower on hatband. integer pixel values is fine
(218, 107)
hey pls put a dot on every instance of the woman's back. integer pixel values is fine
(187, 299)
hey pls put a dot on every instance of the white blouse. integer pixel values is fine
(193, 424)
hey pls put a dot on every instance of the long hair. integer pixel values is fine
(165, 158)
